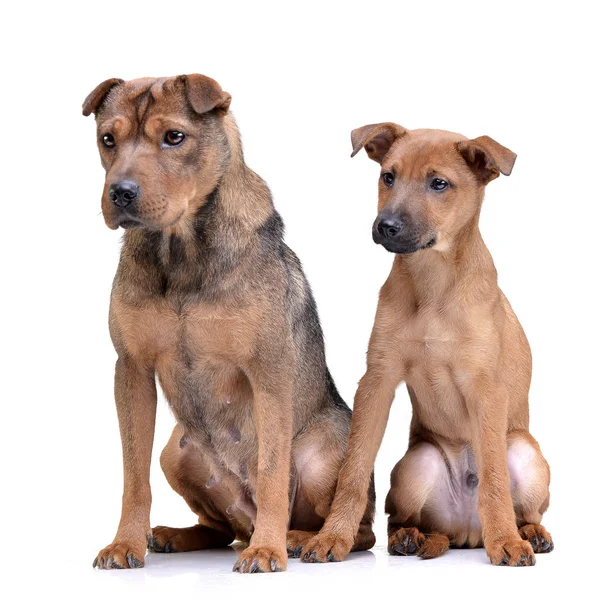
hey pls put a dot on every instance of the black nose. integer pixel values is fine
(123, 193)
(389, 228)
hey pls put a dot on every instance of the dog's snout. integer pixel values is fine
(123, 193)
(389, 228)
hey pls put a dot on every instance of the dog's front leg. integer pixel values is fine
(272, 391)
(135, 396)
(488, 415)
(372, 404)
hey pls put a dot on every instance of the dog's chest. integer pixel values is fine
(198, 354)
(429, 346)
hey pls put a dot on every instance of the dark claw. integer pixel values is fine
(274, 566)
(102, 563)
(546, 546)
(236, 567)
(331, 557)
(168, 547)
(531, 561)
(504, 560)
(412, 547)
(114, 565)
(95, 564)
(534, 543)
(313, 556)
(255, 567)
(154, 545)
(133, 562)
(423, 554)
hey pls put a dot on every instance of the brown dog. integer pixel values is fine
(473, 474)
(208, 298)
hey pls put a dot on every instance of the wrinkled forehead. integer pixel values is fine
(424, 151)
(141, 99)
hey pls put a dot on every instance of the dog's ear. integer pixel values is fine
(376, 139)
(204, 93)
(95, 99)
(487, 158)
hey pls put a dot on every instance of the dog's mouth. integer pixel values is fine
(407, 248)
(129, 221)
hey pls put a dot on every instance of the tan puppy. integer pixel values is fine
(473, 474)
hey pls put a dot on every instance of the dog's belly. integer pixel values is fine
(212, 401)
(437, 401)
(451, 507)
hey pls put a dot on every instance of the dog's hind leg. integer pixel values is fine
(529, 483)
(190, 476)
(318, 454)
(413, 480)
(186, 539)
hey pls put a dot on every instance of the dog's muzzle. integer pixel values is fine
(392, 233)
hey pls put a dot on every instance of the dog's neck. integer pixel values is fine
(464, 266)
(208, 244)
(243, 196)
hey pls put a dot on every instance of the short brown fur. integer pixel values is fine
(445, 328)
(209, 299)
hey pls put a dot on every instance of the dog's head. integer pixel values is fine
(431, 182)
(162, 144)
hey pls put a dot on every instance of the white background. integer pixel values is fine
(302, 75)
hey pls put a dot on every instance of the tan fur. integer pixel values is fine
(210, 300)
(445, 328)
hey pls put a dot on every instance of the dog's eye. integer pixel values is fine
(388, 179)
(438, 185)
(108, 140)
(174, 138)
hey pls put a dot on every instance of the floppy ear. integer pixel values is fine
(487, 158)
(204, 93)
(95, 99)
(376, 139)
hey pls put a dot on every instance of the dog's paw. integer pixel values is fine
(435, 545)
(538, 537)
(167, 539)
(261, 559)
(121, 555)
(296, 541)
(513, 552)
(325, 547)
(406, 541)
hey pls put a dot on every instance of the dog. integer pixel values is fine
(209, 299)
(473, 474)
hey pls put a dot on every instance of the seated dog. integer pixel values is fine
(473, 474)
(208, 298)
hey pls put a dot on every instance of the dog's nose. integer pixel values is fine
(123, 193)
(389, 228)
